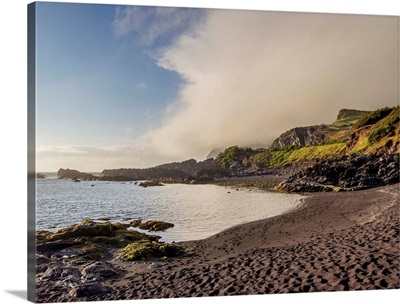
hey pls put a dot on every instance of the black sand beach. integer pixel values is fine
(332, 242)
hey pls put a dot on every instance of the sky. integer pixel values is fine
(133, 87)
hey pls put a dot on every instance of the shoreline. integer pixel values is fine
(331, 242)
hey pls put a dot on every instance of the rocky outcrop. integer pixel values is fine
(154, 183)
(347, 173)
(155, 225)
(316, 135)
(302, 136)
(75, 175)
(76, 259)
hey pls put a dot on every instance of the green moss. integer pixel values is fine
(135, 223)
(86, 228)
(114, 242)
(118, 225)
(155, 225)
(138, 250)
(145, 249)
(232, 154)
(43, 235)
(385, 126)
(283, 157)
(348, 117)
(92, 252)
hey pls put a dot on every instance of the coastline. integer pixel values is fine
(330, 242)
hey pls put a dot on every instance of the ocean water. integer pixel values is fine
(197, 211)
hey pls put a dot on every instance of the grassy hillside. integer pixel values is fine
(376, 131)
(348, 117)
(371, 131)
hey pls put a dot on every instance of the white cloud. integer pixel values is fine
(253, 75)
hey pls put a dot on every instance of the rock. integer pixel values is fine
(135, 223)
(98, 271)
(150, 184)
(89, 290)
(57, 272)
(86, 228)
(118, 225)
(103, 219)
(345, 173)
(155, 225)
(145, 249)
(51, 246)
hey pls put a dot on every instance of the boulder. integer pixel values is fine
(98, 271)
(86, 228)
(155, 225)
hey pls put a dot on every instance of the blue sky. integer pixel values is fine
(136, 86)
(95, 84)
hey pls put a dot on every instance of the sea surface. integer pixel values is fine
(197, 211)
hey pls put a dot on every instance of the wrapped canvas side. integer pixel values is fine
(31, 150)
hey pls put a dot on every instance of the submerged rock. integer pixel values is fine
(150, 184)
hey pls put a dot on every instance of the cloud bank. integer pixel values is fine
(248, 77)
(252, 75)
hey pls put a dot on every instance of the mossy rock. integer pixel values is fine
(170, 250)
(114, 242)
(155, 226)
(138, 250)
(86, 228)
(92, 252)
(131, 235)
(43, 236)
(118, 225)
(135, 223)
(144, 249)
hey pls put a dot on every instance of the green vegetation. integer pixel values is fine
(384, 126)
(373, 117)
(286, 156)
(232, 154)
(382, 134)
(144, 249)
(348, 117)
(371, 131)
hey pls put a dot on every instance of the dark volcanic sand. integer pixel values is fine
(334, 241)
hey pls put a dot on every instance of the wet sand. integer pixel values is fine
(332, 242)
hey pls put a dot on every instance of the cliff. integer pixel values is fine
(373, 132)
(318, 134)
